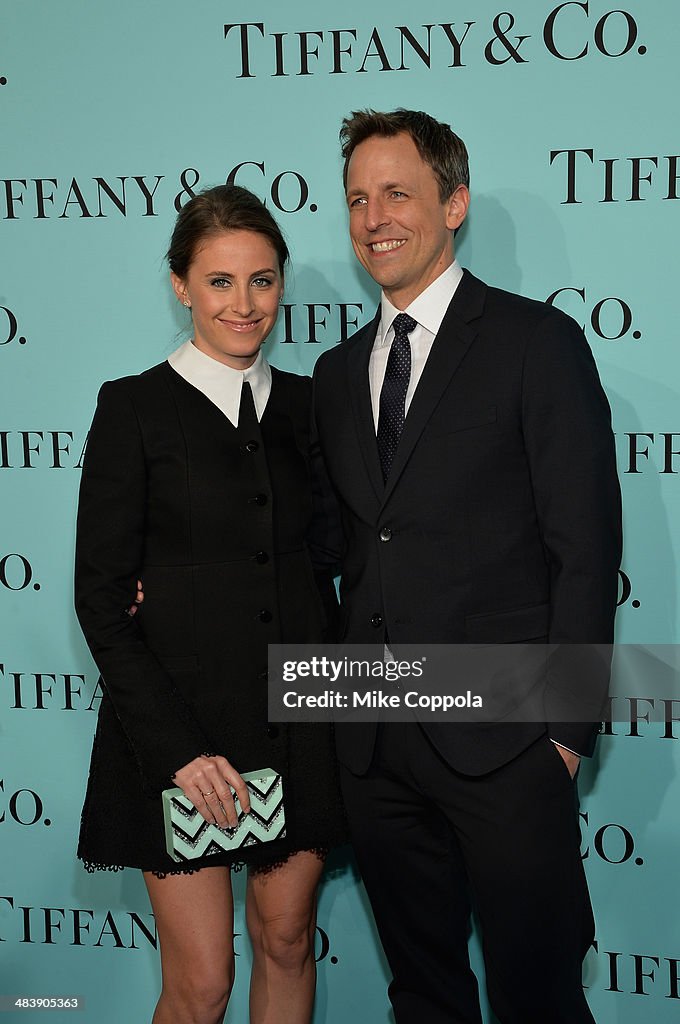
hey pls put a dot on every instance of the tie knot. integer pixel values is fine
(403, 325)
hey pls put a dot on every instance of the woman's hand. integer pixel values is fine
(139, 599)
(205, 781)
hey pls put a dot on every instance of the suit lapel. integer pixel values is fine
(360, 400)
(450, 345)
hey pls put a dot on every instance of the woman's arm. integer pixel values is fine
(109, 553)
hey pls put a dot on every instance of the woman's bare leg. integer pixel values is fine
(281, 917)
(195, 920)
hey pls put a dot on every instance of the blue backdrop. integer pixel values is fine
(111, 114)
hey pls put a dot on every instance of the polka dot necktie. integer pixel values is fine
(393, 393)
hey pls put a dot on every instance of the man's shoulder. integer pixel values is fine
(337, 356)
(511, 308)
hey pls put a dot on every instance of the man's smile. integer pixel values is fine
(387, 246)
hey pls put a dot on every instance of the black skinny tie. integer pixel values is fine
(393, 393)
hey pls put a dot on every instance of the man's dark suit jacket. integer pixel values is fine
(502, 507)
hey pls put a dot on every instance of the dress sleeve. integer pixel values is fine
(109, 554)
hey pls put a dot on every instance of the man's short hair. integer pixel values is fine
(437, 144)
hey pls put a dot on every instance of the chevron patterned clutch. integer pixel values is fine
(188, 835)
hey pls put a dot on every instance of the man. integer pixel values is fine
(470, 446)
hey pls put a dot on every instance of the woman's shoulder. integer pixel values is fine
(294, 380)
(136, 385)
(295, 384)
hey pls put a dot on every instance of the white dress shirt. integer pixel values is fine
(428, 310)
(221, 383)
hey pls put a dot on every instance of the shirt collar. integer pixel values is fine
(428, 308)
(221, 383)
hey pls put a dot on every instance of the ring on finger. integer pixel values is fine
(209, 793)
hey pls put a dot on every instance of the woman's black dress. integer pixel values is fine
(214, 519)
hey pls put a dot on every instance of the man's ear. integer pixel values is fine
(457, 207)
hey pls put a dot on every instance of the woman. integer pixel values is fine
(197, 479)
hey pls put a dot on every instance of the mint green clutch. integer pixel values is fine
(188, 835)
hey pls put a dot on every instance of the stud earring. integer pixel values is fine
(187, 303)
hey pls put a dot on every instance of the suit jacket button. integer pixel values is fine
(385, 534)
(261, 557)
(376, 620)
(258, 499)
(249, 447)
(272, 732)
(265, 615)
